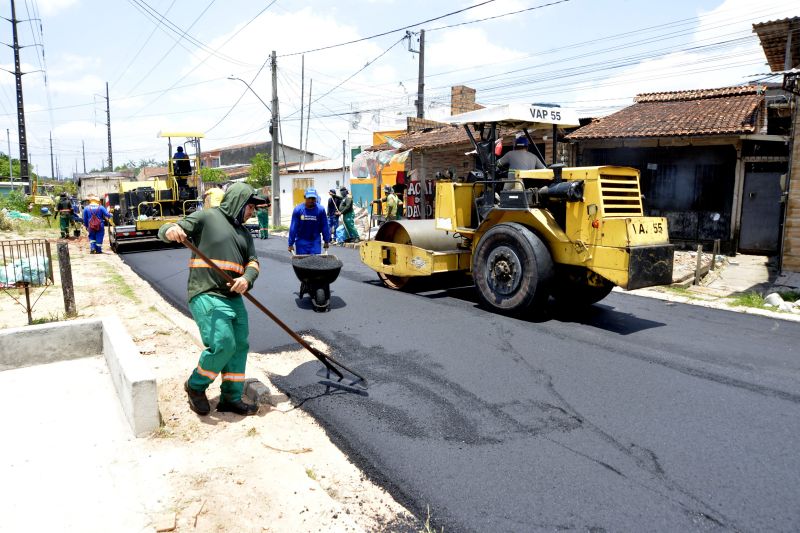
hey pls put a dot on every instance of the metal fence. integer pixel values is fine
(25, 263)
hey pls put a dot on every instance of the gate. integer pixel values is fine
(761, 213)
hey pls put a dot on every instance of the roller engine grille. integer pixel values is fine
(621, 196)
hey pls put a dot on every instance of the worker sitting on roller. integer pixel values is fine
(520, 158)
(309, 221)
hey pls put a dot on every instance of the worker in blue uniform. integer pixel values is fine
(309, 222)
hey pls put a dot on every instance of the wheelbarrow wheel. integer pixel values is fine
(320, 300)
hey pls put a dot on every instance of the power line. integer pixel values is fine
(168, 52)
(229, 39)
(144, 44)
(152, 13)
(318, 98)
(388, 32)
(498, 16)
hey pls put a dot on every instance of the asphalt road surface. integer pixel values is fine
(633, 415)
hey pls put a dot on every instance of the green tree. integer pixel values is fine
(260, 171)
(69, 187)
(15, 200)
(4, 167)
(212, 175)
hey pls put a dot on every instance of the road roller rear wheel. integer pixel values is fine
(575, 286)
(394, 282)
(512, 269)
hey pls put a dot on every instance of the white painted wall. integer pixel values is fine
(323, 181)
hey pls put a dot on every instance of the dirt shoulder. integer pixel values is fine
(276, 471)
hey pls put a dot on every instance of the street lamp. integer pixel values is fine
(252, 91)
(273, 130)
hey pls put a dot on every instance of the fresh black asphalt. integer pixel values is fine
(635, 414)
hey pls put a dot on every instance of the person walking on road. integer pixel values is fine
(64, 213)
(348, 216)
(262, 212)
(94, 219)
(309, 221)
(217, 307)
(333, 207)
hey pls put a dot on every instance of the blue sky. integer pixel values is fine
(594, 55)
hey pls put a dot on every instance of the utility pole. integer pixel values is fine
(23, 139)
(83, 150)
(52, 171)
(276, 189)
(308, 118)
(302, 95)
(343, 163)
(421, 81)
(10, 162)
(108, 123)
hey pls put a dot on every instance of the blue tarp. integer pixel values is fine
(32, 270)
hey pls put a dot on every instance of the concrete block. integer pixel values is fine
(133, 378)
(773, 299)
(256, 392)
(48, 343)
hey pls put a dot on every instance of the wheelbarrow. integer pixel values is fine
(316, 273)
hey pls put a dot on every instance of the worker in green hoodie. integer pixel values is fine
(216, 306)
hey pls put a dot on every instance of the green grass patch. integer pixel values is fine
(789, 296)
(118, 282)
(682, 291)
(747, 299)
(279, 228)
(51, 317)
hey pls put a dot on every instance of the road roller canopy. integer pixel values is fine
(519, 116)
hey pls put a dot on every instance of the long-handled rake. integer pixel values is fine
(345, 378)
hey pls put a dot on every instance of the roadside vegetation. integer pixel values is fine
(748, 299)
(118, 282)
(756, 300)
(680, 291)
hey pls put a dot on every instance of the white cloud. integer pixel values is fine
(464, 47)
(713, 67)
(52, 7)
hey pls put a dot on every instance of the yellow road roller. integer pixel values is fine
(571, 233)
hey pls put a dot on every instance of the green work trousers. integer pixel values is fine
(224, 330)
(263, 224)
(63, 220)
(349, 220)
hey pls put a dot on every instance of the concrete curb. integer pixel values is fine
(713, 304)
(49, 343)
(133, 378)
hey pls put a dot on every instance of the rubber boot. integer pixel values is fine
(238, 407)
(197, 400)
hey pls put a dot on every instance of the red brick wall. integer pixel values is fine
(442, 160)
(462, 99)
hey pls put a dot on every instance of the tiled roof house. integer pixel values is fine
(725, 111)
(780, 40)
(701, 154)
